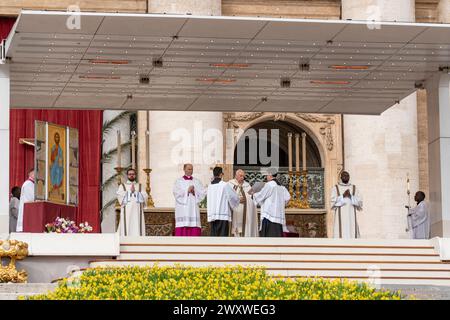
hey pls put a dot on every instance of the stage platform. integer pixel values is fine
(379, 261)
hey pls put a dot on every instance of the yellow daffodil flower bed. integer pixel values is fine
(224, 283)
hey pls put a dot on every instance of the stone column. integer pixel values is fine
(141, 147)
(381, 150)
(197, 7)
(108, 224)
(379, 10)
(444, 11)
(439, 222)
(422, 140)
(438, 103)
(4, 140)
(165, 125)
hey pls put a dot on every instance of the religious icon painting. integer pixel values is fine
(39, 180)
(40, 150)
(73, 195)
(40, 190)
(56, 164)
(73, 166)
(40, 129)
(40, 159)
(73, 185)
(73, 176)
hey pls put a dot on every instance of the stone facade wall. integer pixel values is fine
(380, 151)
(425, 10)
(319, 9)
(422, 140)
(13, 7)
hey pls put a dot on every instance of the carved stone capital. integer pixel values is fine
(325, 129)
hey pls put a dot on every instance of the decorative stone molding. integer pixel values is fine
(325, 130)
(241, 116)
(279, 116)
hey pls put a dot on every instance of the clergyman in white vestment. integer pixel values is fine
(273, 199)
(188, 192)
(346, 200)
(419, 218)
(245, 219)
(132, 199)
(221, 200)
(26, 195)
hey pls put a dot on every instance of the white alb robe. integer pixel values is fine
(132, 222)
(345, 219)
(221, 200)
(26, 195)
(245, 219)
(420, 221)
(187, 211)
(273, 200)
(13, 214)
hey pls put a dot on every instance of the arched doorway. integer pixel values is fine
(265, 144)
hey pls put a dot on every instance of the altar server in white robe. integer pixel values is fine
(133, 199)
(188, 192)
(346, 200)
(273, 199)
(26, 195)
(14, 208)
(419, 218)
(221, 201)
(245, 219)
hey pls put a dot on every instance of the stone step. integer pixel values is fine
(283, 264)
(11, 291)
(26, 288)
(274, 242)
(271, 257)
(422, 292)
(15, 296)
(226, 249)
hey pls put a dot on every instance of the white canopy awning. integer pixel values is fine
(219, 63)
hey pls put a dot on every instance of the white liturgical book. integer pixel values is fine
(257, 187)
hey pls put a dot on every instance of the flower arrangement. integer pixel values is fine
(205, 283)
(61, 225)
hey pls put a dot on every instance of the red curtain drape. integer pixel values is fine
(5, 26)
(89, 125)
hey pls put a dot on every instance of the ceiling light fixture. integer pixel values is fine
(285, 83)
(92, 77)
(230, 65)
(99, 61)
(346, 67)
(214, 80)
(340, 82)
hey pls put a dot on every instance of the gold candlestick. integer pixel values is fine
(119, 182)
(297, 189)
(304, 203)
(150, 203)
(292, 202)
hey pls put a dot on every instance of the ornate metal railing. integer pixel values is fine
(315, 178)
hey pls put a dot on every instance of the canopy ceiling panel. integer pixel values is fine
(184, 62)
